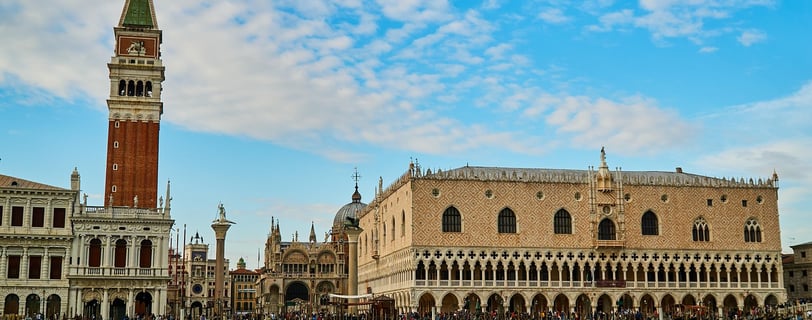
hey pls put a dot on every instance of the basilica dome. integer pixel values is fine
(350, 210)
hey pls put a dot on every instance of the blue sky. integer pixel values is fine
(270, 105)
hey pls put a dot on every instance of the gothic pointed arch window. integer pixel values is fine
(562, 222)
(403, 223)
(452, 220)
(606, 230)
(392, 231)
(145, 259)
(649, 224)
(752, 231)
(94, 253)
(506, 223)
(701, 230)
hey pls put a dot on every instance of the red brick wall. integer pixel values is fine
(137, 160)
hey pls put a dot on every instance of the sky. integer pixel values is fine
(271, 106)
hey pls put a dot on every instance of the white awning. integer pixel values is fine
(360, 296)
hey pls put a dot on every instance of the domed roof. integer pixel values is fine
(349, 210)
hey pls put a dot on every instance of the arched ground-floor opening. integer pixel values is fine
(561, 304)
(516, 304)
(625, 303)
(32, 306)
(425, 304)
(750, 303)
(53, 306)
(495, 304)
(688, 300)
(143, 304)
(604, 304)
(538, 304)
(297, 296)
(195, 310)
(472, 304)
(771, 300)
(92, 310)
(12, 304)
(583, 306)
(274, 303)
(730, 306)
(118, 309)
(647, 306)
(668, 305)
(450, 304)
(710, 306)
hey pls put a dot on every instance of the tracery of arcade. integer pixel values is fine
(617, 269)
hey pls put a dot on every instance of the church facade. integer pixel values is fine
(532, 240)
(299, 276)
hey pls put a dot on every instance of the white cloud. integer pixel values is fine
(610, 21)
(633, 124)
(416, 11)
(498, 51)
(553, 16)
(708, 49)
(750, 37)
(665, 19)
(769, 135)
(315, 81)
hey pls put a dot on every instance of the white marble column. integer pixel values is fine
(24, 264)
(161, 302)
(132, 253)
(47, 216)
(3, 259)
(45, 268)
(105, 305)
(131, 303)
(107, 252)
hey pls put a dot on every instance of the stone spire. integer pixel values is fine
(312, 233)
(168, 196)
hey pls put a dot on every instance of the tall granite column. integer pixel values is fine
(352, 283)
(220, 227)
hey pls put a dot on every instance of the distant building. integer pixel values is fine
(798, 272)
(198, 280)
(35, 246)
(528, 240)
(243, 288)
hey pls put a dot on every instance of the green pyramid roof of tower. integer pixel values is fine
(139, 14)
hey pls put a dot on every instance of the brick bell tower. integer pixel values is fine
(136, 74)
